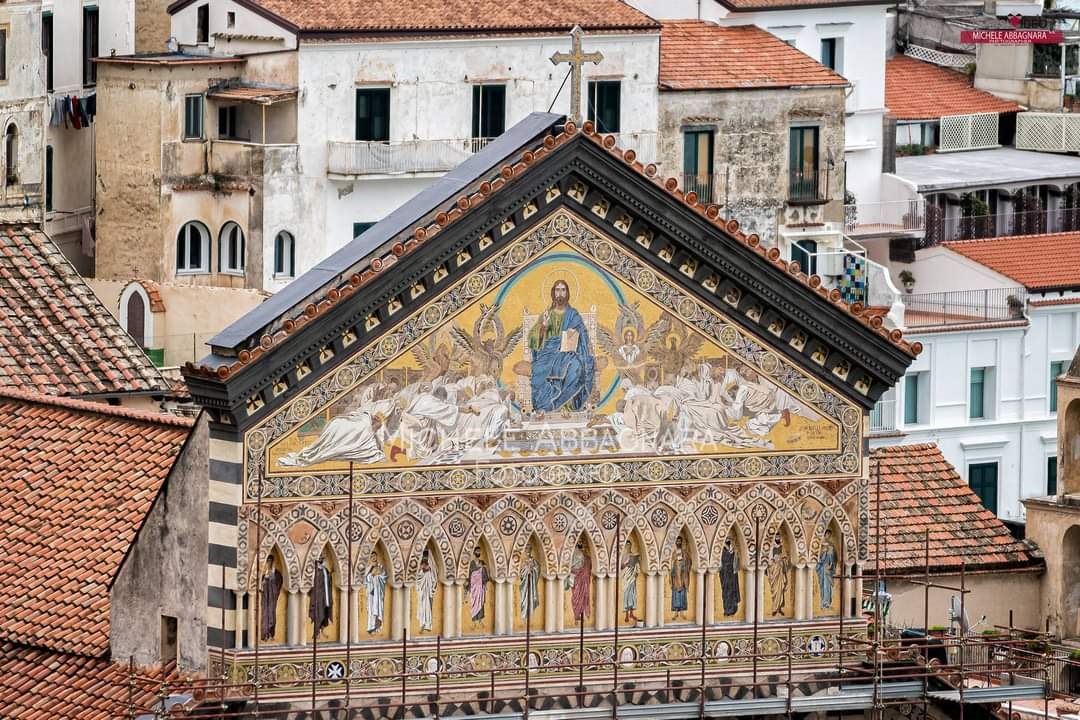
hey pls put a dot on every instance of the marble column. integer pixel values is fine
(397, 607)
(560, 606)
(500, 606)
(699, 609)
(855, 590)
(448, 608)
(459, 600)
(550, 588)
(750, 593)
(711, 578)
(243, 621)
(302, 621)
(293, 634)
(759, 594)
(354, 612)
(600, 612)
(653, 615)
(800, 592)
(344, 604)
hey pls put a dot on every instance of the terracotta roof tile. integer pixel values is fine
(39, 684)
(915, 90)
(455, 16)
(921, 492)
(76, 481)
(697, 55)
(56, 336)
(1038, 262)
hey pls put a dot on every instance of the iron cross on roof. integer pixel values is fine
(576, 58)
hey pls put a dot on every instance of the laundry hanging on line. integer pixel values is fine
(71, 111)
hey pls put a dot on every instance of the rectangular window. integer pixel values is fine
(47, 48)
(1056, 368)
(358, 228)
(48, 177)
(983, 479)
(803, 163)
(202, 24)
(3, 53)
(193, 117)
(698, 163)
(488, 113)
(977, 390)
(604, 100)
(373, 114)
(90, 44)
(227, 121)
(1051, 475)
(911, 399)
(832, 50)
(168, 639)
(230, 19)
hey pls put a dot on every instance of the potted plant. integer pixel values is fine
(1016, 306)
(908, 280)
(938, 630)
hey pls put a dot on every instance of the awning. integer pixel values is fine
(252, 94)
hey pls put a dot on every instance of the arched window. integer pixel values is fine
(193, 248)
(11, 154)
(231, 245)
(136, 318)
(136, 314)
(284, 255)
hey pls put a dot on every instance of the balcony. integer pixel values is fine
(236, 158)
(1048, 132)
(883, 417)
(808, 187)
(964, 307)
(974, 227)
(399, 157)
(880, 219)
(705, 186)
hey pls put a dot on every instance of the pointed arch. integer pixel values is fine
(634, 519)
(268, 602)
(479, 529)
(333, 564)
(827, 591)
(273, 534)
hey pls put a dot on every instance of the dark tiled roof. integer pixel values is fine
(39, 684)
(915, 90)
(921, 492)
(76, 481)
(696, 55)
(1038, 262)
(451, 16)
(56, 336)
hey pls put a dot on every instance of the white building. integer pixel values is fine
(851, 40)
(999, 319)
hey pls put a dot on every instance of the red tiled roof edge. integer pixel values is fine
(916, 90)
(1020, 258)
(97, 408)
(466, 203)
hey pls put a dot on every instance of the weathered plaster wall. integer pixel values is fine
(991, 594)
(164, 573)
(152, 25)
(22, 106)
(751, 145)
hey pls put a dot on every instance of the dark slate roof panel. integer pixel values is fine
(345, 260)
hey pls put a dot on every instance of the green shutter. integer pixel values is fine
(977, 390)
(1051, 475)
(911, 399)
(1056, 368)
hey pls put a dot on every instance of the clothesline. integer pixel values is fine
(72, 111)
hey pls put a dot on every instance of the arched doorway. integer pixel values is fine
(1070, 583)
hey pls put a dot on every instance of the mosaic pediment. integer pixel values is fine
(563, 360)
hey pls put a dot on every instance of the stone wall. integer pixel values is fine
(152, 22)
(163, 573)
(751, 146)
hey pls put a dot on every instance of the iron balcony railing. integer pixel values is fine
(882, 218)
(973, 227)
(706, 186)
(961, 307)
(808, 186)
(399, 157)
(883, 416)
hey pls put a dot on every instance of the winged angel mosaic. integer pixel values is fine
(561, 361)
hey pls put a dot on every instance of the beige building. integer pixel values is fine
(1054, 520)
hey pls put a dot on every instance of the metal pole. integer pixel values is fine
(615, 617)
(223, 591)
(528, 643)
(789, 651)
(314, 651)
(348, 588)
(404, 660)
(877, 595)
(963, 635)
(438, 672)
(753, 610)
(1062, 92)
(926, 620)
(701, 591)
(843, 611)
(581, 652)
(258, 590)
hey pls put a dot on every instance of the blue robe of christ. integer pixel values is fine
(560, 379)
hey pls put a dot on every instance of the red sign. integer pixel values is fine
(1011, 37)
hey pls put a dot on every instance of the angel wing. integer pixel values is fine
(654, 336)
(463, 340)
(504, 347)
(423, 354)
(630, 317)
(487, 314)
(604, 339)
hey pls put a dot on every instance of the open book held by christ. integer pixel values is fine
(569, 341)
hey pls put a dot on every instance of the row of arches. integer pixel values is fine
(193, 250)
(632, 592)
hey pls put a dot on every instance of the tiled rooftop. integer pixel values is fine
(56, 336)
(455, 16)
(1038, 262)
(697, 55)
(921, 492)
(37, 684)
(76, 481)
(915, 90)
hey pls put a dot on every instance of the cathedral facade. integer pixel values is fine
(553, 401)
